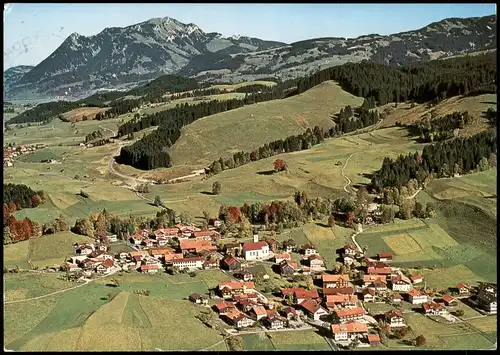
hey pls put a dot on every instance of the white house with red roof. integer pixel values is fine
(256, 250)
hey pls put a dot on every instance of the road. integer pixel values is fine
(344, 175)
(107, 129)
(65, 290)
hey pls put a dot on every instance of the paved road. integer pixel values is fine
(344, 175)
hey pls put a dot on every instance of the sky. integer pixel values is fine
(33, 31)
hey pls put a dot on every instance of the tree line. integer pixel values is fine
(442, 159)
(443, 128)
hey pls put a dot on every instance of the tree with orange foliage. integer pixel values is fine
(350, 219)
(331, 220)
(279, 165)
(234, 214)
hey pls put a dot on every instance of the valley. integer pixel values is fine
(360, 190)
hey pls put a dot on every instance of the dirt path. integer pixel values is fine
(415, 194)
(108, 129)
(345, 176)
(61, 291)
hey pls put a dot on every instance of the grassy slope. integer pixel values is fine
(249, 127)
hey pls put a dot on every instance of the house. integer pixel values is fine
(238, 286)
(162, 241)
(341, 301)
(316, 262)
(416, 279)
(255, 250)
(159, 253)
(210, 264)
(378, 282)
(434, 309)
(290, 313)
(122, 254)
(170, 257)
(278, 258)
(275, 322)
(72, 267)
(374, 339)
(487, 299)
(394, 319)
(346, 315)
(206, 235)
(188, 263)
(198, 299)
(224, 307)
(400, 283)
(396, 298)
(259, 312)
(450, 301)
(336, 281)
(380, 270)
(301, 295)
(287, 268)
(289, 246)
(136, 239)
(195, 246)
(149, 268)
(246, 296)
(308, 249)
(149, 242)
(384, 256)
(313, 309)
(238, 319)
(214, 222)
(105, 267)
(348, 260)
(246, 304)
(84, 250)
(230, 263)
(226, 292)
(338, 291)
(145, 232)
(368, 295)
(417, 297)
(349, 331)
(351, 250)
(463, 289)
(306, 270)
(78, 259)
(244, 275)
(166, 233)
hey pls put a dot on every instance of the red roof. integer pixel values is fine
(303, 293)
(310, 305)
(230, 260)
(373, 338)
(380, 271)
(108, 263)
(358, 311)
(393, 313)
(340, 290)
(149, 267)
(416, 277)
(254, 246)
(448, 298)
(384, 255)
(349, 328)
(224, 304)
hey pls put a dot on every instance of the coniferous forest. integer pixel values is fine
(431, 81)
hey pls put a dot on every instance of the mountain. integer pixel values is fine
(12, 75)
(130, 55)
(120, 58)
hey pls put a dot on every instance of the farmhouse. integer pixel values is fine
(85, 250)
(396, 298)
(238, 319)
(400, 283)
(289, 245)
(246, 305)
(417, 297)
(136, 239)
(368, 295)
(341, 301)
(259, 312)
(380, 270)
(350, 250)
(308, 249)
(188, 263)
(336, 281)
(316, 262)
(374, 339)
(346, 315)
(210, 264)
(105, 267)
(275, 322)
(394, 319)
(236, 286)
(278, 258)
(273, 245)
(190, 246)
(256, 250)
(416, 279)
(434, 309)
(206, 235)
(287, 268)
(290, 313)
(72, 267)
(488, 299)
(301, 295)
(224, 307)
(463, 289)
(348, 260)
(338, 291)
(150, 269)
(149, 242)
(450, 301)
(384, 256)
(349, 331)
(232, 248)
(230, 263)
(313, 309)
(198, 299)
(244, 275)
(370, 280)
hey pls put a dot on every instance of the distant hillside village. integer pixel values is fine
(10, 152)
(338, 300)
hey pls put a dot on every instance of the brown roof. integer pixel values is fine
(353, 327)
(224, 304)
(393, 313)
(303, 293)
(349, 312)
(108, 263)
(332, 299)
(284, 263)
(237, 284)
(229, 260)
(416, 277)
(335, 278)
(414, 293)
(373, 338)
(289, 310)
(259, 310)
(149, 267)
(205, 234)
(315, 256)
(373, 278)
(282, 256)
(307, 246)
(186, 244)
(138, 252)
(384, 255)
(380, 271)
(339, 290)
(286, 291)
(254, 246)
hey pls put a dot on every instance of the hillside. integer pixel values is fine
(249, 127)
(141, 52)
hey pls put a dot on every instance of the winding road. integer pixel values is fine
(108, 129)
(345, 176)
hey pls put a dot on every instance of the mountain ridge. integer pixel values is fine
(122, 57)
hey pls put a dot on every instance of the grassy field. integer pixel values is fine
(74, 320)
(300, 340)
(201, 143)
(77, 114)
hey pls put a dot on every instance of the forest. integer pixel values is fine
(378, 84)
(21, 196)
(443, 128)
(442, 159)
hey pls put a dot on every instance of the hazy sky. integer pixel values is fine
(33, 31)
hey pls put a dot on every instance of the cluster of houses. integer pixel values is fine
(9, 152)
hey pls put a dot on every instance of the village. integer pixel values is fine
(338, 301)
(10, 152)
